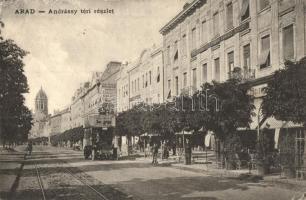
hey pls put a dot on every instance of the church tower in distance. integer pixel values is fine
(41, 104)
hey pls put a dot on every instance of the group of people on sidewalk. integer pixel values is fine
(165, 152)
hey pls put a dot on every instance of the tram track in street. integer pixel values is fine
(60, 180)
(40, 182)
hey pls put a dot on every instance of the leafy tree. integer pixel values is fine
(286, 93)
(129, 123)
(191, 111)
(285, 100)
(229, 107)
(234, 107)
(161, 119)
(15, 119)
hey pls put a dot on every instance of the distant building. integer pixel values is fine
(141, 80)
(65, 120)
(40, 121)
(55, 122)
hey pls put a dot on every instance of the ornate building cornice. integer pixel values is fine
(188, 10)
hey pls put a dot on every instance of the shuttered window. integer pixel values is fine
(185, 79)
(264, 58)
(184, 48)
(288, 43)
(217, 69)
(175, 51)
(204, 32)
(230, 59)
(229, 15)
(216, 23)
(263, 4)
(245, 10)
(176, 85)
(193, 38)
(194, 77)
(246, 56)
(204, 73)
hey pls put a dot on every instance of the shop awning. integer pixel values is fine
(272, 123)
(208, 138)
(149, 134)
(184, 133)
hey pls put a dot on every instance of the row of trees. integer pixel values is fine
(15, 117)
(219, 107)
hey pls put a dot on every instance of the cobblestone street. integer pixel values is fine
(64, 174)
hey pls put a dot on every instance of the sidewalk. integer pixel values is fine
(11, 164)
(212, 170)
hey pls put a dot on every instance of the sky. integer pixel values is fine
(65, 49)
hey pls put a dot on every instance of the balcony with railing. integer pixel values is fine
(245, 74)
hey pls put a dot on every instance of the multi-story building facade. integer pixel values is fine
(208, 39)
(77, 106)
(66, 119)
(141, 80)
(55, 123)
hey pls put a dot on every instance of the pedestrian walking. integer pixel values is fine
(187, 152)
(28, 149)
(155, 152)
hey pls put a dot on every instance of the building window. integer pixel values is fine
(146, 83)
(169, 88)
(288, 43)
(168, 55)
(176, 51)
(194, 77)
(184, 45)
(229, 15)
(246, 56)
(150, 77)
(193, 38)
(158, 75)
(245, 10)
(143, 81)
(230, 62)
(185, 79)
(176, 86)
(216, 23)
(138, 83)
(204, 33)
(263, 4)
(217, 69)
(204, 73)
(264, 58)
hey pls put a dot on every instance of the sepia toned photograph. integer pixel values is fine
(152, 99)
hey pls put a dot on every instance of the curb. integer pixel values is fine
(208, 172)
